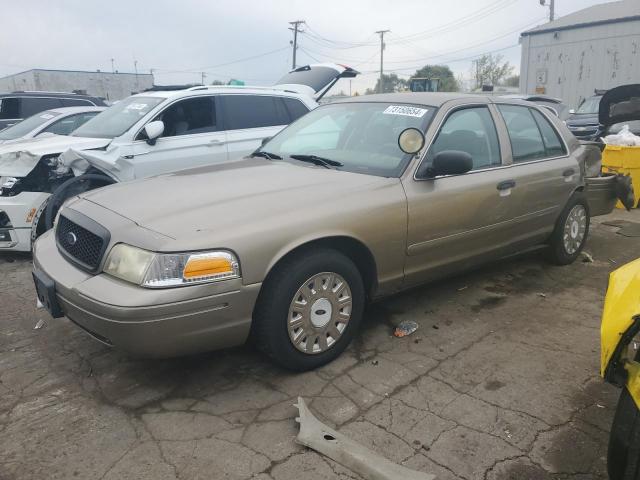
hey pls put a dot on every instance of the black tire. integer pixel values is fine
(269, 330)
(558, 252)
(70, 188)
(623, 462)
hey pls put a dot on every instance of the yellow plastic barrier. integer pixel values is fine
(625, 160)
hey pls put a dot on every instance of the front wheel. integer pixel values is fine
(571, 230)
(623, 462)
(309, 309)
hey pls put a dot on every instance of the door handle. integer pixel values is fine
(506, 185)
(568, 172)
(215, 141)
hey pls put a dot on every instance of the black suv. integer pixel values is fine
(16, 106)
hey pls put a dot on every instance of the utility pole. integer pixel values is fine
(202, 74)
(552, 8)
(295, 28)
(381, 33)
(135, 69)
(112, 67)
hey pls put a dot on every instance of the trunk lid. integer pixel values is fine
(315, 80)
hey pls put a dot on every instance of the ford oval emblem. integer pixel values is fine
(71, 238)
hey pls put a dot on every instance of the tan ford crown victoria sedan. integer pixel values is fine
(354, 201)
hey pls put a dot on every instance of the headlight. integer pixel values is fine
(158, 270)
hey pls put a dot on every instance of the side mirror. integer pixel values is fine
(153, 131)
(411, 140)
(264, 141)
(572, 111)
(449, 162)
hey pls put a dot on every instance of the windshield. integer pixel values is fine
(363, 137)
(20, 129)
(118, 118)
(589, 106)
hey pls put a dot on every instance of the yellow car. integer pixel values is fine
(620, 365)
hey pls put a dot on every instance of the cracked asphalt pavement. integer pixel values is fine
(499, 382)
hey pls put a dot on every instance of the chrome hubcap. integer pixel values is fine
(575, 229)
(319, 313)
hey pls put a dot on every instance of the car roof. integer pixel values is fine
(433, 99)
(217, 89)
(72, 110)
(32, 93)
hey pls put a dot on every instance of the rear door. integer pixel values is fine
(544, 173)
(193, 136)
(250, 118)
(457, 220)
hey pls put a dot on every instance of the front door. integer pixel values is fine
(457, 220)
(192, 137)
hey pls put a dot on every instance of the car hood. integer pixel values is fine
(620, 104)
(18, 159)
(576, 120)
(225, 197)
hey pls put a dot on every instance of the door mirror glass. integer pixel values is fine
(450, 162)
(153, 131)
(411, 140)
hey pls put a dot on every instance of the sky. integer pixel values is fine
(250, 39)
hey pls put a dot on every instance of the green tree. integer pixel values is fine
(490, 70)
(448, 82)
(390, 83)
(512, 81)
(217, 82)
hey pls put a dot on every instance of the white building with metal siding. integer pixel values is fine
(112, 86)
(594, 48)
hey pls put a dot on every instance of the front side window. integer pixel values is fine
(252, 111)
(362, 137)
(524, 134)
(470, 130)
(68, 124)
(22, 128)
(189, 117)
(118, 118)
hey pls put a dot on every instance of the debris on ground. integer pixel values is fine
(435, 327)
(586, 257)
(374, 362)
(339, 448)
(39, 325)
(543, 295)
(405, 328)
(463, 288)
(626, 229)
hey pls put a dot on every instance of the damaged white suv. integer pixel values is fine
(148, 134)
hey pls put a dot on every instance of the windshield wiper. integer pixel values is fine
(315, 159)
(262, 153)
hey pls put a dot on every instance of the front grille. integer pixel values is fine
(80, 244)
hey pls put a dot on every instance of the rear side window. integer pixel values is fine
(9, 108)
(76, 102)
(552, 143)
(252, 111)
(470, 130)
(33, 105)
(524, 134)
(295, 108)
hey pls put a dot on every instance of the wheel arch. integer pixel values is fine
(353, 248)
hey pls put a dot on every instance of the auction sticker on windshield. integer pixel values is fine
(404, 110)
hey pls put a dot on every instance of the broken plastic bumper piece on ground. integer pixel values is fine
(405, 328)
(316, 435)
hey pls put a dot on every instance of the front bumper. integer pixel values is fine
(19, 209)
(149, 322)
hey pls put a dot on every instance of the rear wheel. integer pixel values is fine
(309, 309)
(623, 462)
(571, 231)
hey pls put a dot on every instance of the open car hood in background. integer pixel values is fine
(315, 80)
(620, 104)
